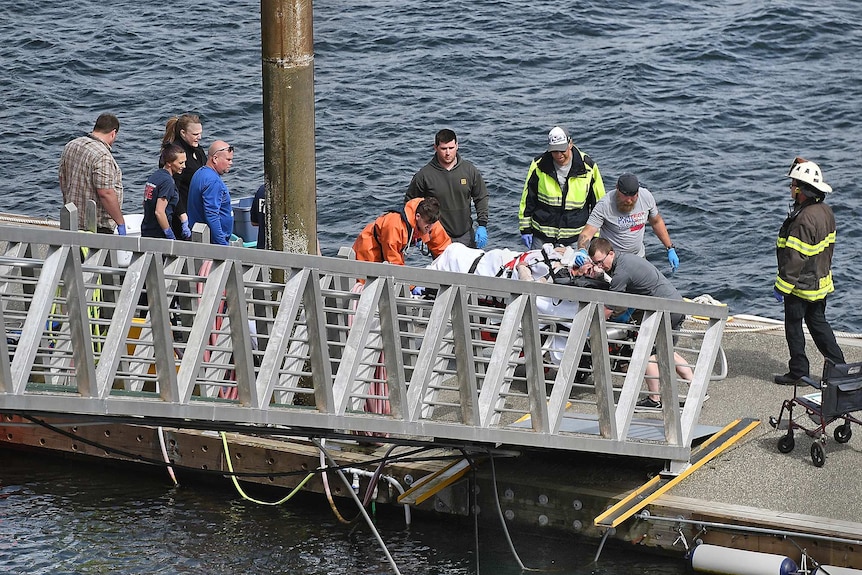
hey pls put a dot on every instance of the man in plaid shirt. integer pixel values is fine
(88, 171)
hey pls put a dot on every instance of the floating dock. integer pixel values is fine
(748, 497)
(81, 377)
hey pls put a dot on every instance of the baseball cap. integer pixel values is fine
(558, 139)
(628, 184)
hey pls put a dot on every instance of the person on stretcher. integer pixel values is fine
(549, 265)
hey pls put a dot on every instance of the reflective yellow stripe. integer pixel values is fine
(553, 232)
(549, 191)
(783, 286)
(805, 249)
(826, 288)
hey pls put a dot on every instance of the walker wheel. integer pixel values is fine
(818, 455)
(843, 433)
(786, 443)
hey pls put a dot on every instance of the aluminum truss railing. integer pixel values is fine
(199, 333)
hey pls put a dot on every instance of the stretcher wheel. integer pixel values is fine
(843, 433)
(786, 443)
(818, 455)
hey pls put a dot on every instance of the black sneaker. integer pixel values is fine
(682, 401)
(786, 379)
(649, 403)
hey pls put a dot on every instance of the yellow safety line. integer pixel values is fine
(527, 416)
(655, 490)
(243, 494)
(648, 486)
(429, 481)
(727, 443)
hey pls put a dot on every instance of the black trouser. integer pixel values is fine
(814, 313)
(540, 240)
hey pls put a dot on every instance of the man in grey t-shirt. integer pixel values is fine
(621, 217)
(631, 274)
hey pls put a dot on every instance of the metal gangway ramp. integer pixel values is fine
(231, 335)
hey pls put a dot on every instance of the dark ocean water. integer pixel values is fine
(707, 102)
(59, 518)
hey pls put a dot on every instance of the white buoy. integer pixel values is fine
(830, 570)
(728, 561)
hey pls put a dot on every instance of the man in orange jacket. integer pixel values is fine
(389, 237)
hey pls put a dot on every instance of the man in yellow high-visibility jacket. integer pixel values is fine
(562, 186)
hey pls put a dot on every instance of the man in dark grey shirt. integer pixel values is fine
(455, 183)
(633, 274)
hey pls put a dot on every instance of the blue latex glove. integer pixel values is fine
(673, 259)
(187, 232)
(778, 295)
(169, 233)
(581, 257)
(418, 290)
(527, 239)
(121, 229)
(481, 237)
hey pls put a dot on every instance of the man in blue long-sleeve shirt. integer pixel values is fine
(209, 198)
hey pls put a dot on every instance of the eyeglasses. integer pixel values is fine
(227, 149)
(601, 261)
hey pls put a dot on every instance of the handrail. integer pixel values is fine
(217, 340)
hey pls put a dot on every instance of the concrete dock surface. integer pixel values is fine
(753, 472)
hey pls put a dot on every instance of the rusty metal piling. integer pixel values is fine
(287, 65)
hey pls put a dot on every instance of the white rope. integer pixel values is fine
(738, 323)
(11, 218)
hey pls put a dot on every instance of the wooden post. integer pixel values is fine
(287, 50)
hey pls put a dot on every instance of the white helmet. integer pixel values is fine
(809, 172)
